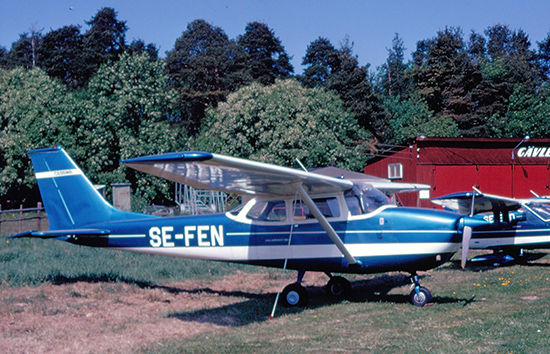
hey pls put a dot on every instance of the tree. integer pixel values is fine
(511, 60)
(527, 112)
(104, 41)
(266, 59)
(339, 70)
(411, 118)
(105, 38)
(446, 77)
(4, 63)
(24, 51)
(61, 56)
(138, 46)
(321, 59)
(392, 78)
(35, 112)
(129, 113)
(282, 122)
(204, 67)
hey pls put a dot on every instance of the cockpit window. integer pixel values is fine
(235, 211)
(542, 210)
(327, 206)
(364, 199)
(268, 211)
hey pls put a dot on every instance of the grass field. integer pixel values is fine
(481, 310)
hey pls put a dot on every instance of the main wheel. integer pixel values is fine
(295, 295)
(421, 298)
(338, 287)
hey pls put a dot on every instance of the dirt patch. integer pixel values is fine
(86, 317)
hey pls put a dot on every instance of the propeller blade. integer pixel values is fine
(466, 236)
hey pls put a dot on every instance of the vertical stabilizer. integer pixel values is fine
(70, 199)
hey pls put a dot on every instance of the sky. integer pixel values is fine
(370, 25)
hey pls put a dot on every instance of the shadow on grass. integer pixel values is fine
(259, 307)
(60, 279)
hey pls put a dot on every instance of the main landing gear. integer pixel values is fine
(296, 295)
(419, 296)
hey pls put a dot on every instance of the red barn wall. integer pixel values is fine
(452, 165)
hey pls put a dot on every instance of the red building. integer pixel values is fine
(508, 167)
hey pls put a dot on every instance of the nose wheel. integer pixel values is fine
(419, 296)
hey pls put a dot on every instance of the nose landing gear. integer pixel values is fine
(419, 296)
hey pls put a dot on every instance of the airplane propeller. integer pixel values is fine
(466, 236)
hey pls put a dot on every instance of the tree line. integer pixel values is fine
(105, 100)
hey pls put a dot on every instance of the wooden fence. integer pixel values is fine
(22, 214)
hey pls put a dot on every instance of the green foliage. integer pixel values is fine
(36, 111)
(412, 118)
(129, 112)
(24, 51)
(266, 58)
(282, 122)
(528, 114)
(392, 80)
(339, 71)
(61, 56)
(105, 39)
(204, 66)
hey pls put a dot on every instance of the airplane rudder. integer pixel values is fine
(69, 197)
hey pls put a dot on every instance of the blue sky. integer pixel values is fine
(370, 25)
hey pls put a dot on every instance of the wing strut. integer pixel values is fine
(326, 226)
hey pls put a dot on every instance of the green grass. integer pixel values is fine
(487, 310)
(28, 261)
(479, 310)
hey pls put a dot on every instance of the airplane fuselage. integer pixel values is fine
(527, 228)
(390, 239)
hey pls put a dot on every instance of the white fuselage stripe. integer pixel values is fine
(481, 243)
(258, 253)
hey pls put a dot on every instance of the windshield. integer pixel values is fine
(364, 199)
(541, 210)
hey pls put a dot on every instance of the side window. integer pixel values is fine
(268, 211)
(328, 207)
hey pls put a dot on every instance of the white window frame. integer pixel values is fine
(395, 171)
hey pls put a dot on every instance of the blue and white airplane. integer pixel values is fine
(511, 225)
(294, 219)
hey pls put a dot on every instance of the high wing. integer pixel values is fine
(393, 187)
(234, 175)
(462, 202)
(382, 184)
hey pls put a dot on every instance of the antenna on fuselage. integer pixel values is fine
(301, 165)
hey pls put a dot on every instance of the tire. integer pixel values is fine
(294, 295)
(338, 287)
(421, 298)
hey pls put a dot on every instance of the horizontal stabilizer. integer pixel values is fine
(61, 233)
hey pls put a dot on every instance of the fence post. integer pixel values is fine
(1, 218)
(38, 215)
(20, 217)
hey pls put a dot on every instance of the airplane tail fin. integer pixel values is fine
(70, 199)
